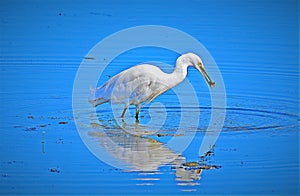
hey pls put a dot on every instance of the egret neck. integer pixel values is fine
(178, 75)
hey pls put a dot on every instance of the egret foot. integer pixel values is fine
(137, 110)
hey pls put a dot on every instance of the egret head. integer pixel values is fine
(194, 60)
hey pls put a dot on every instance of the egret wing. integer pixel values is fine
(158, 90)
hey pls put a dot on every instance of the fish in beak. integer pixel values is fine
(202, 70)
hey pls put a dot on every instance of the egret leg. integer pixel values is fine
(124, 110)
(137, 110)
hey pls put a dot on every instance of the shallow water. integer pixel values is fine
(255, 45)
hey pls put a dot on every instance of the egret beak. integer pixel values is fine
(206, 76)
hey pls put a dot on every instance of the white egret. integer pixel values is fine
(144, 82)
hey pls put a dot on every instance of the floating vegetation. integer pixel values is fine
(194, 165)
(62, 122)
(208, 167)
(18, 126)
(191, 164)
(30, 129)
(208, 154)
(54, 170)
(89, 58)
(162, 135)
(60, 141)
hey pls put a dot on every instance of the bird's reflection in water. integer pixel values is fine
(140, 153)
(144, 155)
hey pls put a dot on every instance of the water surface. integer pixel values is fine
(255, 45)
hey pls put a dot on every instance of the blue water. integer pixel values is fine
(255, 45)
